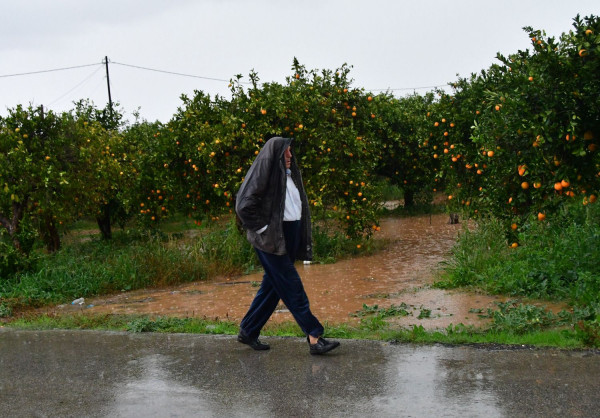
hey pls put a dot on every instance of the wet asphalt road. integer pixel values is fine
(107, 374)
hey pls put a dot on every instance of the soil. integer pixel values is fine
(401, 274)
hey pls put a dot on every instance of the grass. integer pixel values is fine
(129, 261)
(558, 338)
(330, 244)
(556, 260)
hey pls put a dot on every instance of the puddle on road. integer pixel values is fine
(400, 274)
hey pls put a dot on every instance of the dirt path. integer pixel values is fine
(400, 274)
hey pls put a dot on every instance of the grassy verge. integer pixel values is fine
(556, 260)
(558, 338)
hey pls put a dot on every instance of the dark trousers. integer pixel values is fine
(281, 281)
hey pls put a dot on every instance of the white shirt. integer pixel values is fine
(293, 204)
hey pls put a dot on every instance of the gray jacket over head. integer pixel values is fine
(261, 201)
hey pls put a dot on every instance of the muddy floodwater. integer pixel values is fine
(401, 274)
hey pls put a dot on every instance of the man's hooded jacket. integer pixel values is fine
(261, 201)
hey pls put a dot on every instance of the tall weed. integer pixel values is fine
(99, 267)
(225, 251)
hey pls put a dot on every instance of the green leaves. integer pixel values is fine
(531, 111)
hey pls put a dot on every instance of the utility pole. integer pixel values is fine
(108, 84)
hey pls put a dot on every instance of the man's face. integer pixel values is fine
(288, 157)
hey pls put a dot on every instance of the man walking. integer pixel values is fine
(273, 208)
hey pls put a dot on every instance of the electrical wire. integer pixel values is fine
(410, 88)
(220, 79)
(192, 75)
(97, 86)
(171, 72)
(47, 71)
(78, 84)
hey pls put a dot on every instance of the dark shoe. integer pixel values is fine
(322, 346)
(253, 343)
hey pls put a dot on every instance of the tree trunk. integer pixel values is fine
(103, 221)
(13, 225)
(50, 235)
(409, 198)
(453, 219)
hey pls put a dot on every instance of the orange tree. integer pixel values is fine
(206, 141)
(48, 171)
(534, 127)
(110, 158)
(337, 149)
(329, 121)
(151, 187)
(400, 131)
(450, 122)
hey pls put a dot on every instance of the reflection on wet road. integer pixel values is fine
(101, 374)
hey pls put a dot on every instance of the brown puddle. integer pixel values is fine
(400, 274)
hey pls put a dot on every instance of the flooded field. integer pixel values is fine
(401, 274)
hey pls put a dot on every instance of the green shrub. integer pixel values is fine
(11, 261)
(5, 310)
(556, 259)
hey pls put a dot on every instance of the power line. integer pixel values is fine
(47, 71)
(172, 72)
(410, 88)
(95, 88)
(79, 84)
(190, 75)
(220, 79)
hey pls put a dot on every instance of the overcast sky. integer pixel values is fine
(390, 44)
